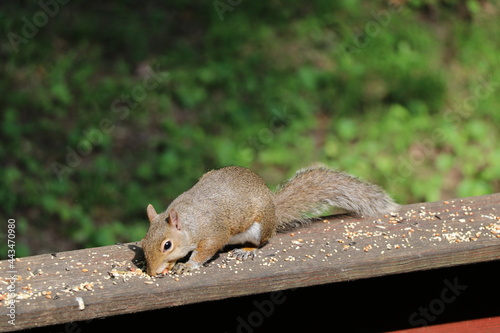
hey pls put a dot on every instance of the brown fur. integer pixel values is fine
(235, 202)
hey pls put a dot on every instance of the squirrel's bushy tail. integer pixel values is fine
(312, 191)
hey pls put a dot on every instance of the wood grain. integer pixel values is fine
(109, 279)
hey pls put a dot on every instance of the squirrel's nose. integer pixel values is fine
(150, 271)
(161, 269)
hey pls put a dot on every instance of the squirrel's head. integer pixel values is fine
(165, 241)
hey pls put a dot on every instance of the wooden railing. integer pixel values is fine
(91, 283)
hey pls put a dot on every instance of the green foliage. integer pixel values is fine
(109, 108)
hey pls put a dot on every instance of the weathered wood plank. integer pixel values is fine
(97, 282)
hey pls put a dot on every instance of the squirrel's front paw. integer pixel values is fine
(184, 267)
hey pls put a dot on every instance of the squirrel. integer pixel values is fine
(233, 205)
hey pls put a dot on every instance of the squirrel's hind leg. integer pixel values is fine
(244, 253)
(256, 236)
(252, 237)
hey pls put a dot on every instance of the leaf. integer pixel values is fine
(61, 93)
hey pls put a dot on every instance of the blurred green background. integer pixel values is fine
(110, 106)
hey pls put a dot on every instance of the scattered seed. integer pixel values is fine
(81, 304)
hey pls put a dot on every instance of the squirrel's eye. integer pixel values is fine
(167, 246)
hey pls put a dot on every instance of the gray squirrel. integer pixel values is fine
(233, 205)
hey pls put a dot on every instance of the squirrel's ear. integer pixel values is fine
(151, 213)
(174, 219)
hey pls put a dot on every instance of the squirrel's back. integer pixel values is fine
(234, 194)
(231, 197)
(233, 183)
